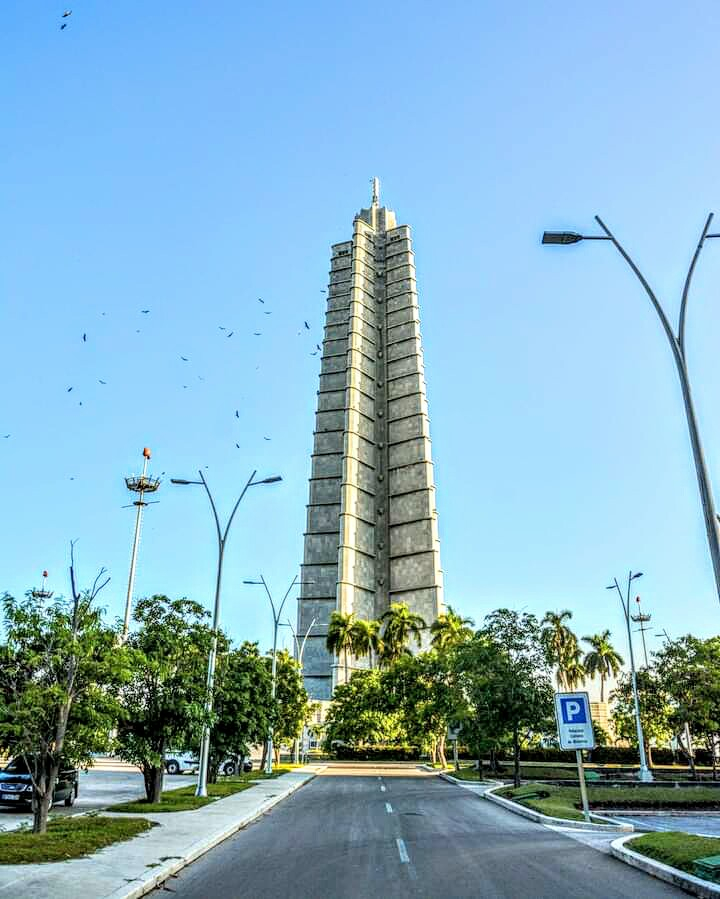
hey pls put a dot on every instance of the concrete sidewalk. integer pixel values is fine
(129, 870)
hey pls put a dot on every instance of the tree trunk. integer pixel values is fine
(263, 761)
(276, 753)
(346, 666)
(493, 761)
(441, 751)
(480, 766)
(516, 758)
(602, 688)
(648, 753)
(153, 777)
(42, 797)
(433, 751)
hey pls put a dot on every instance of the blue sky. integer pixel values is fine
(188, 158)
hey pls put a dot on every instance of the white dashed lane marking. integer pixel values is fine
(388, 808)
(402, 851)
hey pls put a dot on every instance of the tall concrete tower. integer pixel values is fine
(372, 535)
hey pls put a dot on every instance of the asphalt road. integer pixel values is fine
(705, 825)
(390, 832)
(98, 788)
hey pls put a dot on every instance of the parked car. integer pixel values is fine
(177, 762)
(16, 784)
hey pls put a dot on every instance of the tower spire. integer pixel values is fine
(376, 191)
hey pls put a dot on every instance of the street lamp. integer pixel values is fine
(299, 650)
(201, 789)
(277, 612)
(645, 772)
(677, 345)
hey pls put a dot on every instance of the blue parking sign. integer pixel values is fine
(574, 722)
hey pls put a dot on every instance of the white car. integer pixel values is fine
(177, 762)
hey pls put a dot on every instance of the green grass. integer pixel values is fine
(679, 850)
(561, 801)
(68, 838)
(185, 800)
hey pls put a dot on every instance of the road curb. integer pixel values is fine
(516, 808)
(688, 882)
(158, 876)
(469, 784)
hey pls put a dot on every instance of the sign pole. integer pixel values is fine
(455, 755)
(583, 785)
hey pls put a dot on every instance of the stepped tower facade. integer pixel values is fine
(372, 535)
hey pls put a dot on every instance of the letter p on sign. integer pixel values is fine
(573, 712)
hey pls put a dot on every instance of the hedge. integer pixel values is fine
(611, 755)
(378, 753)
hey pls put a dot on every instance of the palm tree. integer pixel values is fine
(340, 635)
(365, 637)
(400, 626)
(602, 659)
(449, 629)
(573, 670)
(560, 643)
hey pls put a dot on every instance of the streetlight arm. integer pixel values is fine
(287, 593)
(686, 288)
(269, 596)
(641, 278)
(235, 507)
(214, 510)
(307, 634)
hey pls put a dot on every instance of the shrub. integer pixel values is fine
(378, 753)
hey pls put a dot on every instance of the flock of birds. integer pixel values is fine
(65, 16)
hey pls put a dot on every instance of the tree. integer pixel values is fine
(654, 709)
(689, 671)
(400, 627)
(449, 629)
(515, 689)
(365, 639)
(59, 673)
(602, 659)
(164, 702)
(242, 705)
(292, 705)
(561, 648)
(340, 636)
(361, 712)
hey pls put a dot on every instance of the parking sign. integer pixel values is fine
(574, 722)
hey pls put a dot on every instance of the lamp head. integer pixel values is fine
(561, 237)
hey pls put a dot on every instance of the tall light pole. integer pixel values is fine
(277, 612)
(201, 789)
(677, 345)
(299, 650)
(642, 618)
(645, 773)
(140, 485)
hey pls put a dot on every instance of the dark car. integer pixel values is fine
(16, 784)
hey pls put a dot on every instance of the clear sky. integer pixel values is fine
(188, 158)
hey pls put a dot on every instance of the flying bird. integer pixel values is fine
(314, 354)
(222, 327)
(267, 438)
(200, 378)
(101, 382)
(68, 12)
(323, 290)
(184, 359)
(267, 312)
(237, 414)
(185, 387)
(237, 445)
(5, 436)
(68, 390)
(307, 326)
(144, 311)
(318, 346)
(257, 333)
(84, 338)
(62, 28)
(261, 301)
(230, 334)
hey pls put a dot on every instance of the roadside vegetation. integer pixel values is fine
(679, 850)
(67, 838)
(184, 799)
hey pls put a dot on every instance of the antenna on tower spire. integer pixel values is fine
(376, 191)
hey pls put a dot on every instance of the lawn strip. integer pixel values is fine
(679, 850)
(68, 838)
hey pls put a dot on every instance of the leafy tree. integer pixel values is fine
(242, 705)
(515, 691)
(292, 705)
(400, 627)
(59, 673)
(449, 629)
(361, 712)
(340, 636)
(689, 671)
(655, 709)
(163, 704)
(561, 648)
(602, 659)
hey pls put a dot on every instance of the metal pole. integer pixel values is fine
(201, 788)
(677, 345)
(268, 760)
(583, 785)
(133, 557)
(645, 774)
(455, 755)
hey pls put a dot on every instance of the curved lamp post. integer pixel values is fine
(677, 345)
(201, 789)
